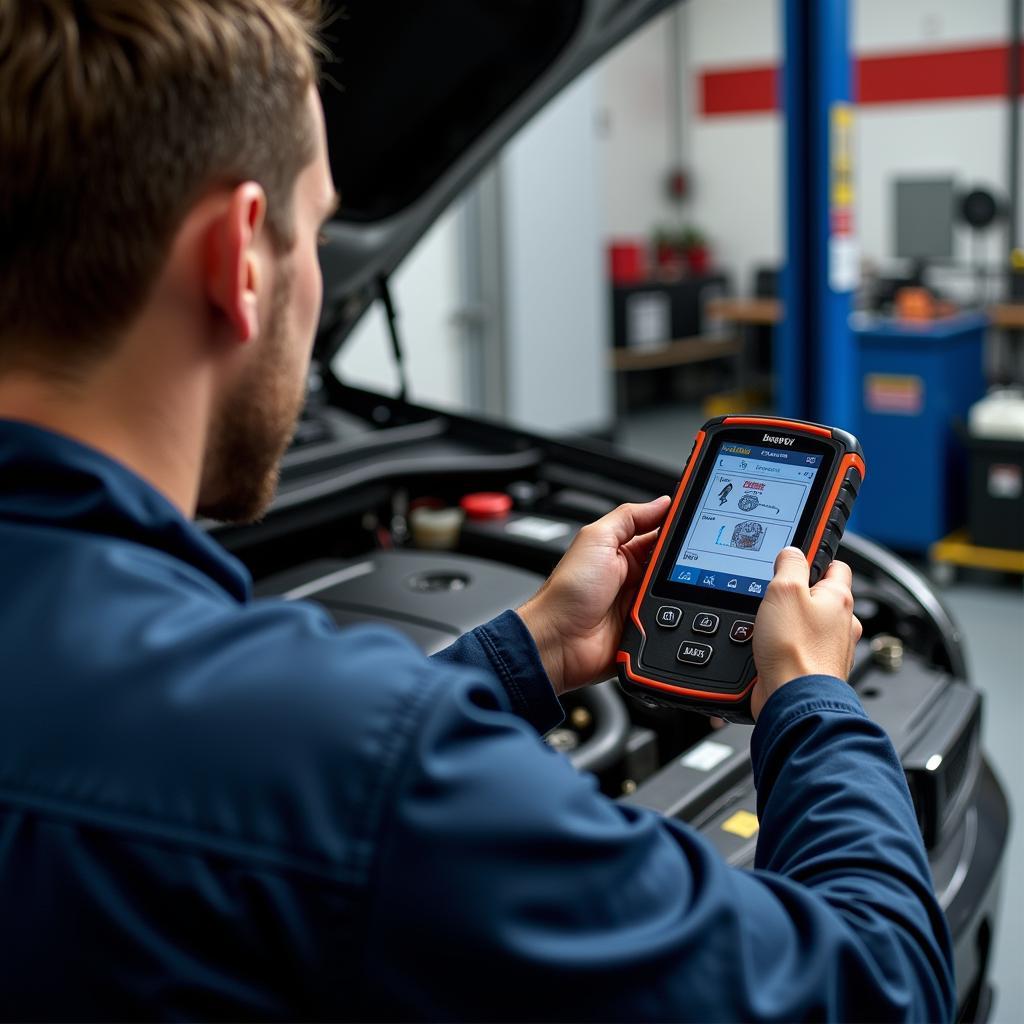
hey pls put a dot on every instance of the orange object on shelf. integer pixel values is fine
(915, 304)
(919, 304)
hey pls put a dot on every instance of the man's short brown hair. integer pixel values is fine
(115, 117)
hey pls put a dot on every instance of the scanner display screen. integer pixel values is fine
(748, 512)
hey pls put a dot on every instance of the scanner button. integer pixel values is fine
(741, 632)
(695, 654)
(705, 622)
(668, 617)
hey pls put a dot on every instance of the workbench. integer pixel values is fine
(680, 352)
(753, 389)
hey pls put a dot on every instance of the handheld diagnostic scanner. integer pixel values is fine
(751, 486)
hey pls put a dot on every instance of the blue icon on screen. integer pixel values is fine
(732, 584)
(754, 588)
(708, 581)
(686, 575)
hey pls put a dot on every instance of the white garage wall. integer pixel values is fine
(739, 199)
(634, 148)
(556, 326)
(731, 33)
(737, 159)
(882, 26)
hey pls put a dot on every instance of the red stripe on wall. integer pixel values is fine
(747, 90)
(949, 75)
(894, 78)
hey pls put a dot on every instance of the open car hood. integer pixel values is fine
(419, 98)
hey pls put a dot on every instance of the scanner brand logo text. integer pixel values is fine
(778, 440)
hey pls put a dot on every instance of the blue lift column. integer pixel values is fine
(815, 355)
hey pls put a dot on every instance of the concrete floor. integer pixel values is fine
(990, 614)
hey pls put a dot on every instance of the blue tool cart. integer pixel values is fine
(917, 382)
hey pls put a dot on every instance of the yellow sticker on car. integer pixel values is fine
(742, 823)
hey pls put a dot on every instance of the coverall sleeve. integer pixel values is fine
(506, 886)
(505, 647)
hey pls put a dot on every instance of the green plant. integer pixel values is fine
(682, 239)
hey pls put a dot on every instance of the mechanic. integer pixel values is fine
(218, 807)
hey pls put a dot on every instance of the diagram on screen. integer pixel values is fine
(751, 501)
(752, 498)
(745, 520)
(748, 536)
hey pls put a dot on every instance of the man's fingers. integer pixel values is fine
(648, 516)
(636, 552)
(628, 520)
(839, 572)
(638, 547)
(791, 569)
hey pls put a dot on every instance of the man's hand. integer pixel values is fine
(801, 631)
(576, 618)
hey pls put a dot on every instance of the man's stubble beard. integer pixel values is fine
(253, 428)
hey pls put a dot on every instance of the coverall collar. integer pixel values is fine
(49, 479)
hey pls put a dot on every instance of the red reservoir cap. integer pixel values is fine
(486, 505)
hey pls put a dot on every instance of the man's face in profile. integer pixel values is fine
(255, 422)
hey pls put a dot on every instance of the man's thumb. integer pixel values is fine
(631, 519)
(791, 566)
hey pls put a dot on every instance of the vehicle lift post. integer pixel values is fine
(816, 371)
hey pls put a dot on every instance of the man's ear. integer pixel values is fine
(233, 267)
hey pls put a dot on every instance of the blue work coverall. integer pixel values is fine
(219, 807)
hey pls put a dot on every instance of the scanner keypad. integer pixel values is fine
(677, 644)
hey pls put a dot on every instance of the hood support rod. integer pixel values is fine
(384, 293)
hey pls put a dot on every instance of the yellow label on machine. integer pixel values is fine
(743, 824)
(843, 251)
